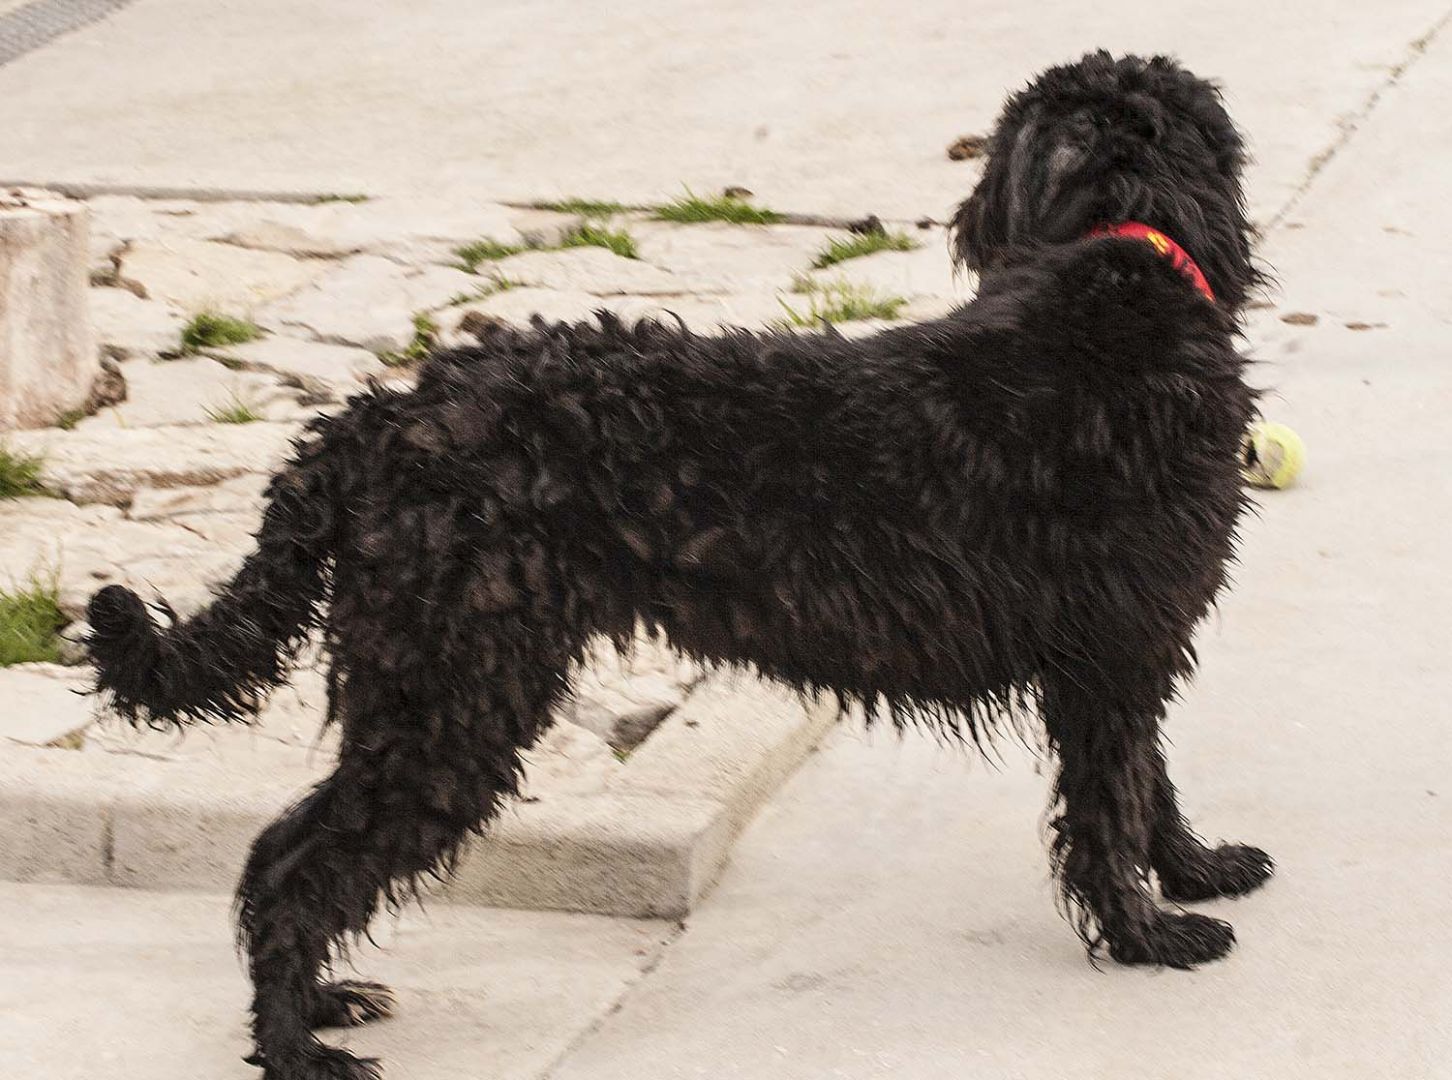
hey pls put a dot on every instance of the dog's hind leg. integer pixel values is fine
(1188, 869)
(431, 748)
(292, 906)
(1103, 723)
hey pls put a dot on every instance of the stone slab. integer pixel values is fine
(720, 257)
(189, 392)
(404, 230)
(622, 698)
(708, 314)
(329, 370)
(128, 327)
(86, 547)
(110, 465)
(198, 275)
(519, 307)
(367, 301)
(42, 706)
(592, 270)
(583, 838)
(242, 495)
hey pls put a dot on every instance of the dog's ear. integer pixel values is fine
(1201, 102)
(1224, 141)
(1023, 196)
(978, 227)
(985, 223)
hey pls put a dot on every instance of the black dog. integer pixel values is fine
(1031, 501)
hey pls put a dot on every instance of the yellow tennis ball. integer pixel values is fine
(1272, 456)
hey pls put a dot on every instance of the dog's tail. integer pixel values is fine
(215, 665)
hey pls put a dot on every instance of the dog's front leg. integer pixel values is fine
(1104, 727)
(1188, 868)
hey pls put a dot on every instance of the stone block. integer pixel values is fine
(48, 358)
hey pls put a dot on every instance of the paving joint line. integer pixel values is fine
(1349, 124)
(627, 992)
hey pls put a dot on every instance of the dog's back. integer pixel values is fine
(922, 517)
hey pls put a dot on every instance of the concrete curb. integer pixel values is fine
(651, 844)
(77, 189)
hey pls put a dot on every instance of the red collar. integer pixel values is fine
(1178, 256)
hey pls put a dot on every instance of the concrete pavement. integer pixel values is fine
(815, 106)
(118, 983)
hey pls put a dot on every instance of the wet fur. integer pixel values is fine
(1032, 499)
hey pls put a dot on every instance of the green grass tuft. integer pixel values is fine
(591, 235)
(839, 302)
(496, 284)
(586, 207)
(30, 623)
(854, 247)
(19, 475)
(425, 330)
(482, 251)
(236, 411)
(691, 209)
(209, 330)
(70, 418)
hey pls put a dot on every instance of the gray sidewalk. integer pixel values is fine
(97, 984)
(814, 106)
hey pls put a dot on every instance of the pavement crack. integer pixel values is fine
(181, 521)
(1348, 124)
(627, 991)
(108, 843)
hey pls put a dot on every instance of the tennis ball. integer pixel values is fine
(1271, 456)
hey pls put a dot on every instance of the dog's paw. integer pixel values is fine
(318, 1062)
(1229, 870)
(1177, 941)
(350, 1004)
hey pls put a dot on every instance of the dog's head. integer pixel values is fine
(1104, 141)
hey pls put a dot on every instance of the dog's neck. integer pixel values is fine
(1179, 258)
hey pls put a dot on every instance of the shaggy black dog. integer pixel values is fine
(1030, 501)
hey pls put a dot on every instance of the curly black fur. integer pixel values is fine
(1034, 497)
